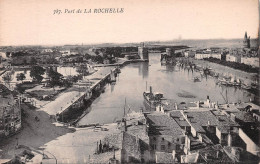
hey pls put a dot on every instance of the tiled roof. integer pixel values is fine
(115, 140)
(244, 116)
(162, 124)
(162, 157)
(190, 158)
(215, 154)
(178, 117)
(198, 119)
(224, 122)
(131, 146)
(140, 131)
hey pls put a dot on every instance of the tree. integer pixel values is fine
(33, 61)
(8, 54)
(55, 78)
(20, 76)
(67, 83)
(20, 88)
(83, 70)
(24, 61)
(36, 73)
(7, 77)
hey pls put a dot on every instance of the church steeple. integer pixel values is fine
(246, 42)
(245, 35)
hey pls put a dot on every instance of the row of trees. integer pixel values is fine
(36, 73)
(55, 78)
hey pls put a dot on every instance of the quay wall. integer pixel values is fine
(86, 95)
(246, 77)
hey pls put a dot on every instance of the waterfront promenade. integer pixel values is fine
(67, 98)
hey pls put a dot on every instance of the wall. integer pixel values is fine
(158, 141)
(250, 61)
(218, 134)
(217, 56)
(230, 58)
(250, 145)
(193, 132)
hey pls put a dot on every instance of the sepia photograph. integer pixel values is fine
(129, 81)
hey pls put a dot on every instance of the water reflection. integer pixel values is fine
(144, 70)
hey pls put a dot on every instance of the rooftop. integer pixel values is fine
(224, 122)
(131, 145)
(178, 117)
(162, 157)
(6, 97)
(243, 116)
(214, 154)
(162, 124)
(198, 119)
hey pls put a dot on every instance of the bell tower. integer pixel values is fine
(246, 42)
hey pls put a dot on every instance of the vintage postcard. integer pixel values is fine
(113, 81)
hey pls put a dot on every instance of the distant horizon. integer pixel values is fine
(119, 43)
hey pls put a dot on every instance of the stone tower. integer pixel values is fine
(170, 52)
(143, 52)
(246, 42)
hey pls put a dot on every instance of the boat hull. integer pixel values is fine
(149, 104)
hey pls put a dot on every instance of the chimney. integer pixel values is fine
(151, 91)
(208, 101)
(198, 104)
(173, 154)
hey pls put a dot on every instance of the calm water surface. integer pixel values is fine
(169, 80)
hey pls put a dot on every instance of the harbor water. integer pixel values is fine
(174, 82)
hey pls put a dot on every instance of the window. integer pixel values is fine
(162, 139)
(154, 138)
(162, 147)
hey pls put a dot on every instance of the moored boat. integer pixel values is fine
(196, 79)
(151, 99)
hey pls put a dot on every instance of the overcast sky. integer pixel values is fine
(32, 22)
